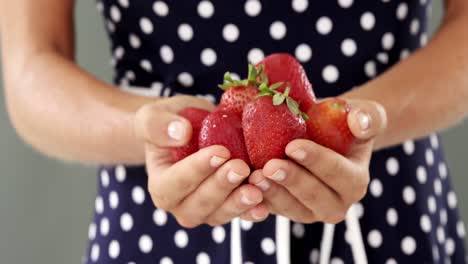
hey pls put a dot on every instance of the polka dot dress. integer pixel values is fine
(168, 48)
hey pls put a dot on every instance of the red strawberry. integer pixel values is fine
(282, 67)
(269, 125)
(195, 116)
(234, 99)
(328, 125)
(224, 128)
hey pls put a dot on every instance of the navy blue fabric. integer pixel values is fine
(410, 212)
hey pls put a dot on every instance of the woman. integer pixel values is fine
(168, 48)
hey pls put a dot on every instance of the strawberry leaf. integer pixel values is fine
(304, 116)
(264, 79)
(278, 99)
(260, 71)
(227, 77)
(293, 106)
(287, 90)
(276, 85)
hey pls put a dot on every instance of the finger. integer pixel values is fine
(281, 201)
(341, 174)
(242, 199)
(212, 192)
(169, 186)
(258, 213)
(308, 189)
(367, 119)
(159, 124)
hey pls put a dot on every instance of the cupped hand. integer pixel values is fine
(205, 187)
(316, 183)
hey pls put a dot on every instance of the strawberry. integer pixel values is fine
(224, 128)
(282, 67)
(195, 116)
(269, 125)
(328, 125)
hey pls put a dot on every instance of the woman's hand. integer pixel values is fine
(205, 186)
(319, 184)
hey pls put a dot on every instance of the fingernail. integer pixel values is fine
(246, 200)
(216, 161)
(299, 155)
(256, 216)
(279, 175)
(234, 177)
(176, 130)
(363, 120)
(264, 185)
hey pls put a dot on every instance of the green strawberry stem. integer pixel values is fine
(252, 78)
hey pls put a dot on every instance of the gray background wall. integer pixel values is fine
(45, 205)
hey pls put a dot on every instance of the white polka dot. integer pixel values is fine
(437, 186)
(336, 260)
(99, 205)
(203, 258)
(146, 65)
(253, 7)
(246, 225)
(303, 52)
(409, 195)
(298, 230)
(126, 222)
(110, 26)
(208, 57)
(114, 249)
(359, 210)
(100, 6)
(374, 238)
(429, 157)
(185, 79)
(434, 141)
(452, 200)
(425, 223)
(431, 204)
(348, 47)
(145, 243)
(146, 25)
(345, 3)
(113, 200)
(92, 231)
(408, 245)
(218, 233)
(324, 25)
(255, 55)
(181, 238)
(166, 260)
(268, 246)
(392, 166)
(104, 178)
(408, 147)
(443, 216)
(370, 69)
(461, 229)
(138, 195)
(159, 217)
(278, 30)
(120, 173)
(388, 40)
(235, 76)
(166, 53)
(119, 52)
(330, 74)
(185, 32)
(404, 54)
(449, 246)
(442, 170)
(382, 57)
(115, 13)
(230, 32)
(130, 75)
(367, 21)
(391, 261)
(205, 9)
(376, 188)
(435, 252)
(124, 3)
(414, 26)
(314, 256)
(423, 39)
(421, 174)
(392, 216)
(135, 42)
(440, 233)
(160, 8)
(104, 227)
(402, 11)
(94, 252)
(300, 5)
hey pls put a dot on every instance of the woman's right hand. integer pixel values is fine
(205, 187)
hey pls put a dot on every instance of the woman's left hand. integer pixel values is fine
(318, 184)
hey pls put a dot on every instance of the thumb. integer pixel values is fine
(367, 119)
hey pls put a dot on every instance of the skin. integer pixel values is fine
(86, 120)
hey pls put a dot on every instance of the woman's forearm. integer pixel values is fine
(429, 90)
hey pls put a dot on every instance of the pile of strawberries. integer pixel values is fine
(257, 117)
